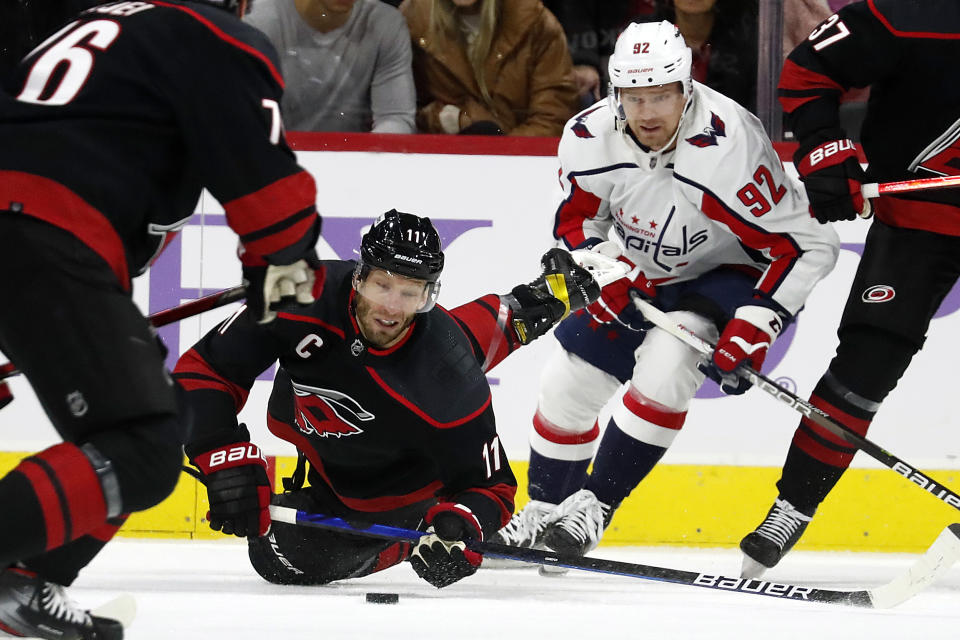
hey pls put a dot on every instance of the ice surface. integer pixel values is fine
(207, 591)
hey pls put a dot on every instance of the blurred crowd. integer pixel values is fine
(497, 67)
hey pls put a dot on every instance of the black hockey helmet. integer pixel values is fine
(403, 244)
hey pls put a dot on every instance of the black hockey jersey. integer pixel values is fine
(905, 51)
(383, 429)
(116, 123)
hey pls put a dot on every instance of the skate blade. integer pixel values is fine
(123, 608)
(751, 568)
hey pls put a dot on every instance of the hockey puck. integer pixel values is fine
(383, 598)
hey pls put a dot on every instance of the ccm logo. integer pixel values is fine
(235, 454)
(831, 148)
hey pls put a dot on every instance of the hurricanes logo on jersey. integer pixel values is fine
(326, 412)
(942, 156)
(717, 129)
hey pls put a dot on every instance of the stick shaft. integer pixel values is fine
(872, 190)
(647, 572)
(169, 316)
(768, 386)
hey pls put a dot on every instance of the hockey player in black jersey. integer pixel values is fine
(114, 125)
(384, 394)
(904, 51)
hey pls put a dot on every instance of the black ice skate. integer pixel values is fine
(30, 606)
(776, 535)
(580, 526)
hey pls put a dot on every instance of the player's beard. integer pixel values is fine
(377, 334)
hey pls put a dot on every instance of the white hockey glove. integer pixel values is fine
(273, 284)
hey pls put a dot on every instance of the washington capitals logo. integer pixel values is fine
(717, 129)
(579, 128)
(326, 412)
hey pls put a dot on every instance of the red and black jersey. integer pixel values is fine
(384, 429)
(904, 51)
(116, 122)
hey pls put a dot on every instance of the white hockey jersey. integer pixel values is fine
(721, 197)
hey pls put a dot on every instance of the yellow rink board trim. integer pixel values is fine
(681, 505)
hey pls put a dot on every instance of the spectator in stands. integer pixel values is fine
(723, 37)
(592, 29)
(346, 63)
(490, 66)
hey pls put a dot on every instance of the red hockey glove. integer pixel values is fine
(615, 302)
(441, 557)
(832, 175)
(238, 488)
(745, 341)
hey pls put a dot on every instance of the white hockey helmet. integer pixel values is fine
(649, 54)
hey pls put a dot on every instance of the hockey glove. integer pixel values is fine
(269, 285)
(532, 312)
(238, 488)
(566, 281)
(828, 165)
(745, 341)
(441, 557)
(615, 303)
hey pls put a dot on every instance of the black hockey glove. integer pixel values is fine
(270, 285)
(238, 488)
(566, 280)
(441, 557)
(828, 165)
(533, 312)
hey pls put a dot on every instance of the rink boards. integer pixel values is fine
(493, 201)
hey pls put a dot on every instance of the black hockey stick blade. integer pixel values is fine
(161, 319)
(938, 558)
(795, 402)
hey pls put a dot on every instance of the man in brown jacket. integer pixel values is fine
(490, 66)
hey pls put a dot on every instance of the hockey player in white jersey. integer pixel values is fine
(714, 233)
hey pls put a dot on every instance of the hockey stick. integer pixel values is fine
(873, 189)
(161, 318)
(937, 560)
(908, 471)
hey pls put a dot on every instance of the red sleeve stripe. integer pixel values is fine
(782, 249)
(909, 34)
(503, 495)
(276, 201)
(286, 234)
(243, 46)
(580, 206)
(383, 503)
(420, 413)
(193, 372)
(308, 319)
(480, 321)
(799, 85)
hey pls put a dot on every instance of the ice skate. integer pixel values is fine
(579, 527)
(32, 607)
(525, 530)
(776, 535)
